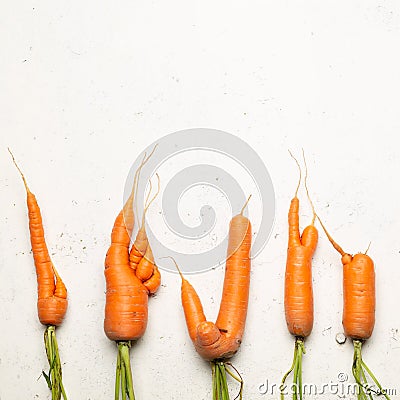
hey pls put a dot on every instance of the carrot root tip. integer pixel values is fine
(19, 170)
(245, 204)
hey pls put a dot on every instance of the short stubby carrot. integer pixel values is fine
(358, 296)
(219, 341)
(52, 300)
(126, 309)
(299, 302)
(359, 313)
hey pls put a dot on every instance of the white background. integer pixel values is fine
(85, 86)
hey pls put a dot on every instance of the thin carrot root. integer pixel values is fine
(298, 165)
(19, 170)
(361, 372)
(245, 205)
(176, 265)
(308, 193)
(297, 387)
(128, 209)
(123, 378)
(334, 244)
(220, 369)
(142, 260)
(149, 201)
(54, 376)
(138, 171)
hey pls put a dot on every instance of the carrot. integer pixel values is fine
(219, 341)
(358, 312)
(126, 310)
(141, 256)
(52, 300)
(299, 305)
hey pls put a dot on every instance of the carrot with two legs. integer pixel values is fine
(299, 305)
(218, 342)
(52, 294)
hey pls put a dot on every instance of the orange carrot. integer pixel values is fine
(358, 311)
(299, 304)
(152, 284)
(126, 309)
(141, 256)
(222, 339)
(358, 297)
(52, 294)
(299, 309)
(217, 342)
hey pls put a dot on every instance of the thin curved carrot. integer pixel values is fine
(52, 300)
(192, 307)
(145, 266)
(141, 242)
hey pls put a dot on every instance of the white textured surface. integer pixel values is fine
(85, 86)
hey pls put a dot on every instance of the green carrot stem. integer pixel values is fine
(225, 390)
(127, 363)
(218, 384)
(359, 370)
(118, 377)
(123, 375)
(58, 371)
(282, 387)
(214, 383)
(297, 388)
(364, 378)
(295, 376)
(299, 370)
(54, 377)
(369, 372)
(237, 378)
(123, 381)
(220, 389)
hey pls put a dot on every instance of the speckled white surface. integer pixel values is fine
(85, 86)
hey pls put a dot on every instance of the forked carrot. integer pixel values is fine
(52, 294)
(358, 312)
(299, 305)
(127, 293)
(219, 341)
